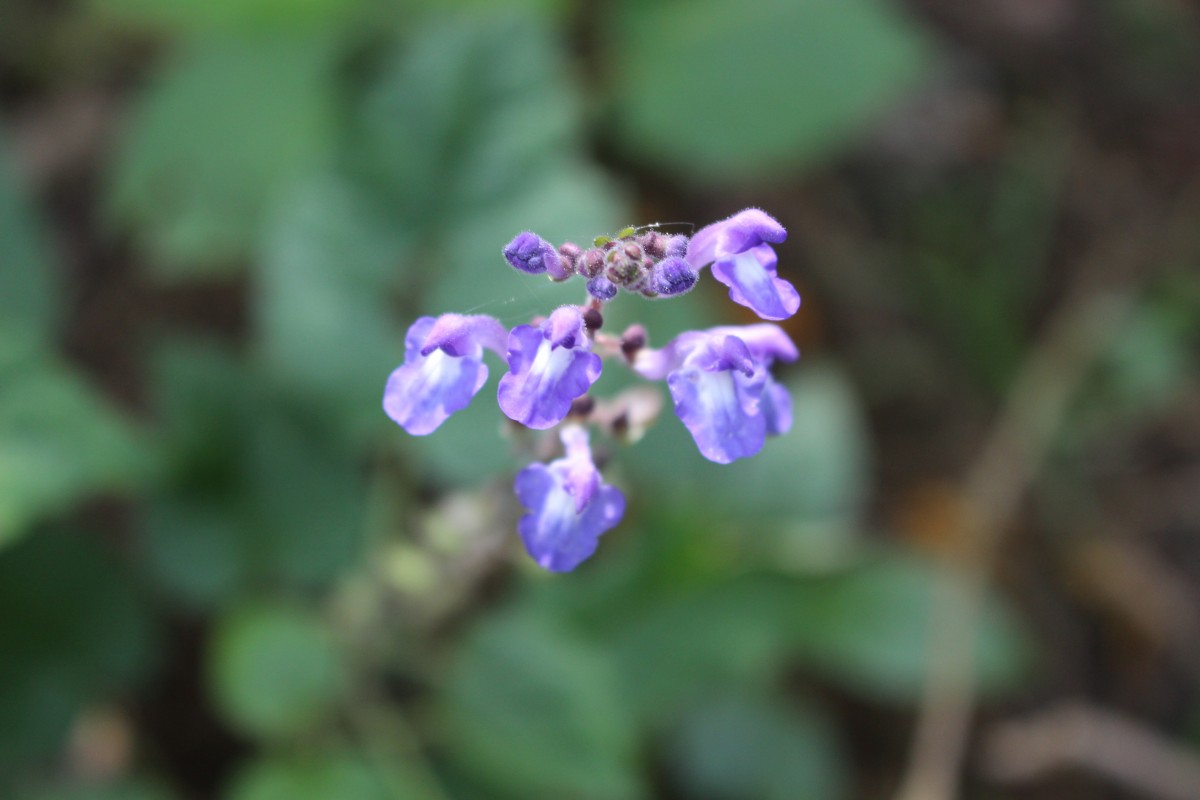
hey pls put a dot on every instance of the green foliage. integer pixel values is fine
(122, 790)
(1146, 368)
(275, 672)
(256, 491)
(224, 129)
(73, 628)
(322, 776)
(365, 179)
(30, 284)
(680, 650)
(59, 441)
(868, 628)
(459, 119)
(721, 89)
(747, 746)
(865, 627)
(326, 329)
(230, 15)
(536, 712)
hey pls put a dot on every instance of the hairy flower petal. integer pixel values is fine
(743, 231)
(717, 392)
(549, 366)
(530, 253)
(739, 249)
(570, 507)
(443, 369)
(753, 283)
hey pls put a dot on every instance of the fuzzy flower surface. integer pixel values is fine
(719, 379)
(739, 250)
(549, 366)
(722, 388)
(443, 369)
(569, 505)
(530, 253)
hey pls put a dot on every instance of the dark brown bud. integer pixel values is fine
(633, 252)
(620, 425)
(593, 319)
(591, 263)
(582, 406)
(654, 243)
(633, 340)
(570, 253)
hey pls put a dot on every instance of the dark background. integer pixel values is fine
(225, 574)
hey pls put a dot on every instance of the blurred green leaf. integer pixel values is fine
(554, 8)
(274, 672)
(743, 746)
(461, 119)
(215, 139)
(307, 497)
(865, 627)
(730, 90)
(123, 790)
(230, 15)
(537, 713)
(196, 547)
(868, 628)
(73, 628)
(59, 441)
(257, 490)
(1148, 365)
(323, 776)
(329, 262)
(29, 281)
(676, 653)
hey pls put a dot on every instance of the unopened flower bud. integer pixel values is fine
(677, 246)
(654, 243)
(632, 340)
(531, 253)
(570, 253)
(623, 272)
(601, 288)
(591, 263)
(559, 268)
(672, 276)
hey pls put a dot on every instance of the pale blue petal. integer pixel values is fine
(753, 283)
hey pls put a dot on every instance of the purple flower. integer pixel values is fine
(602, 288)
(743, 260)
(672, 276)
(569, 506)
(549, 366)
(531, 253)
(721, 386)
(443, 369)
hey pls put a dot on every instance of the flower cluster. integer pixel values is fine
(719, 379)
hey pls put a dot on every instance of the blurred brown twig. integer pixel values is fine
(1106, 290)
(1100, 741)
